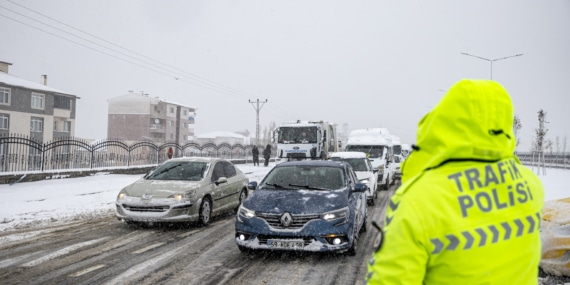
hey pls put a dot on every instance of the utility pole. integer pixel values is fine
(257, 108)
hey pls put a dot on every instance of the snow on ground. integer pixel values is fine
(63, 200)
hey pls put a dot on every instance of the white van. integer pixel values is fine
(364, 171)
(377, 144)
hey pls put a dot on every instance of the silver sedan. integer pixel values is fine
(187, 189)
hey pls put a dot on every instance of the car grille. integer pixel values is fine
(156, 209)
(263, 239)
(298, 220)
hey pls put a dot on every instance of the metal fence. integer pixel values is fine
(545, 159)
(19, 153)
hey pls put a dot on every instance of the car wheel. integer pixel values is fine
(364, 228)
(387, 184)
(376, 193)
(242, 196)
(352, 250)
(205, 212)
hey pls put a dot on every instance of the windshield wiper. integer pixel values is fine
(308, 187)
(162, 171)
(277, 186)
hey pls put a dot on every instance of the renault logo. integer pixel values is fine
(286, 220)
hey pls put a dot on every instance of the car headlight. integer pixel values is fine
(244, 212)
(365, 181)
(341, 214)
(121, 195)
(176, 197)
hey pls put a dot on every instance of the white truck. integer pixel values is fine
(377, 143)
(305, 139)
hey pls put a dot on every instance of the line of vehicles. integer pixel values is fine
(315, 199)
(319, 140)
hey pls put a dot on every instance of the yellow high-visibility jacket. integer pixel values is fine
(467, 212)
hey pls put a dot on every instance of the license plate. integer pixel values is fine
(285, 244)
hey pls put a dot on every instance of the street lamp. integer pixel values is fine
(492, 60)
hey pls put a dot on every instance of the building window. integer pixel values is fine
(37, 124)
(171, 110)
(62, 102)
(170, 123)
(4, 122)
(4, 96)
(171, 136)
(185, 125)
(55, 126)
(67, 127)
(185, 112)
(37, 101)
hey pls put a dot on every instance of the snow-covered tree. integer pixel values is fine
(541, 143)
(517, 125)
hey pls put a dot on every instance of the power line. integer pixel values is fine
(191, 78)
(169, 71)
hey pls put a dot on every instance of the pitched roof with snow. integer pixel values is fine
(19, 82)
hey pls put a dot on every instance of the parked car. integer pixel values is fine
(363, 169)
(314, 206)
(186, 189)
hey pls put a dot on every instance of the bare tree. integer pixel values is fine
(517, 125)
(541, 143)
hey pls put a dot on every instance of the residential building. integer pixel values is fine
(33, 109)
(140, 117)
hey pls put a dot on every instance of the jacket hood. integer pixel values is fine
(474, 121)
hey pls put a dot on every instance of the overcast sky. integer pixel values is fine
(361, 63)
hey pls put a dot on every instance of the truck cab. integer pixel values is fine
(305, 140)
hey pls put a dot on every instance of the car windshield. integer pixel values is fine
(290, 135)
(180, 170)
(305, 177)
(374, 151)
(358, 164)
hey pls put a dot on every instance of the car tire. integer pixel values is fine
(243, 248)
(352, 250)
(376, 193)
(242, 197)
(205, 211)
(387, 184)
(364, 228)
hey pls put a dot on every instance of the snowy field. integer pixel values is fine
(57, 201)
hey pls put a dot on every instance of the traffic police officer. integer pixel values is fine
(467, 211)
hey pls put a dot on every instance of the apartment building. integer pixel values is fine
(33, 109)
(140, 117)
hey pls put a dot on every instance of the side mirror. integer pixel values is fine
(252, 185)
(221, 180)
(360, 187)
(375, 170)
